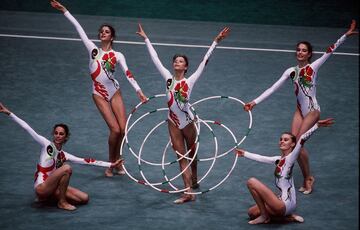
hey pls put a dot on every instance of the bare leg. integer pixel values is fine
(75, 196)
(178, 142)
(304, 164)
(266, 200)
(115, 133)
(118, 108)
(300, 126)
(190, 136)
(63, 185)
(57, 181)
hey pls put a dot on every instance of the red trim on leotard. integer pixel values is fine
(129, 74)
(100, 88)
(44, 170)
(89, 160)
(330, 48)
(171, 101)
(174, 118)
(96, 72)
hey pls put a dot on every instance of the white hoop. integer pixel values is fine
(163, 163)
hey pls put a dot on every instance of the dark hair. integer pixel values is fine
(183, 56)
(112, 30)
(65, 127)
(308, 46)
(293, 137)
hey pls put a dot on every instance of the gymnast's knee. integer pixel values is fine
(116, 131)
(85, 199)
(66, 169)
(251, 182)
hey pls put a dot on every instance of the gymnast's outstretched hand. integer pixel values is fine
(352, 29)
(223, 34)
(57, 5)
(3, 109)
(240, 152)
(249, 106)
(326, 122)
(141, 96)
(141, 32)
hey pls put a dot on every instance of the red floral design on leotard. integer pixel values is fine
(181, 91)
(109, 60)
(305, 76)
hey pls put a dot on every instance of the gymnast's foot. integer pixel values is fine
(109, 172)
(120, 170)
(295, 218)
(66, 206)
(260, 220)
(308, 185)
(185, 198)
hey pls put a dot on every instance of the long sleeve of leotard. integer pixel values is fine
(261, 158)
(155, 58)
(38, 138)
(195, 76)
(330, 50)
(274, 87)
(89, 44)
(129, 76)
(86, 161)
(296, 151)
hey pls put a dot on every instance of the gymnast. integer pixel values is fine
(268, 204)
(180, 117)
(106, 91)
(53, 176)
(307, 112)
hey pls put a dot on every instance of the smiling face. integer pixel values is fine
(60, 134)
(106, 33)
(303, 52)
(286, 142)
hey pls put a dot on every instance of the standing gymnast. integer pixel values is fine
(53, 176)
(106, 92)
(180, 117)
(307, 112)
(268, 204)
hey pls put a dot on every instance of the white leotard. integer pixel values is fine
(50, 157)
(304, 80)
(283, 172)
(178, 92)
(102, 65)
